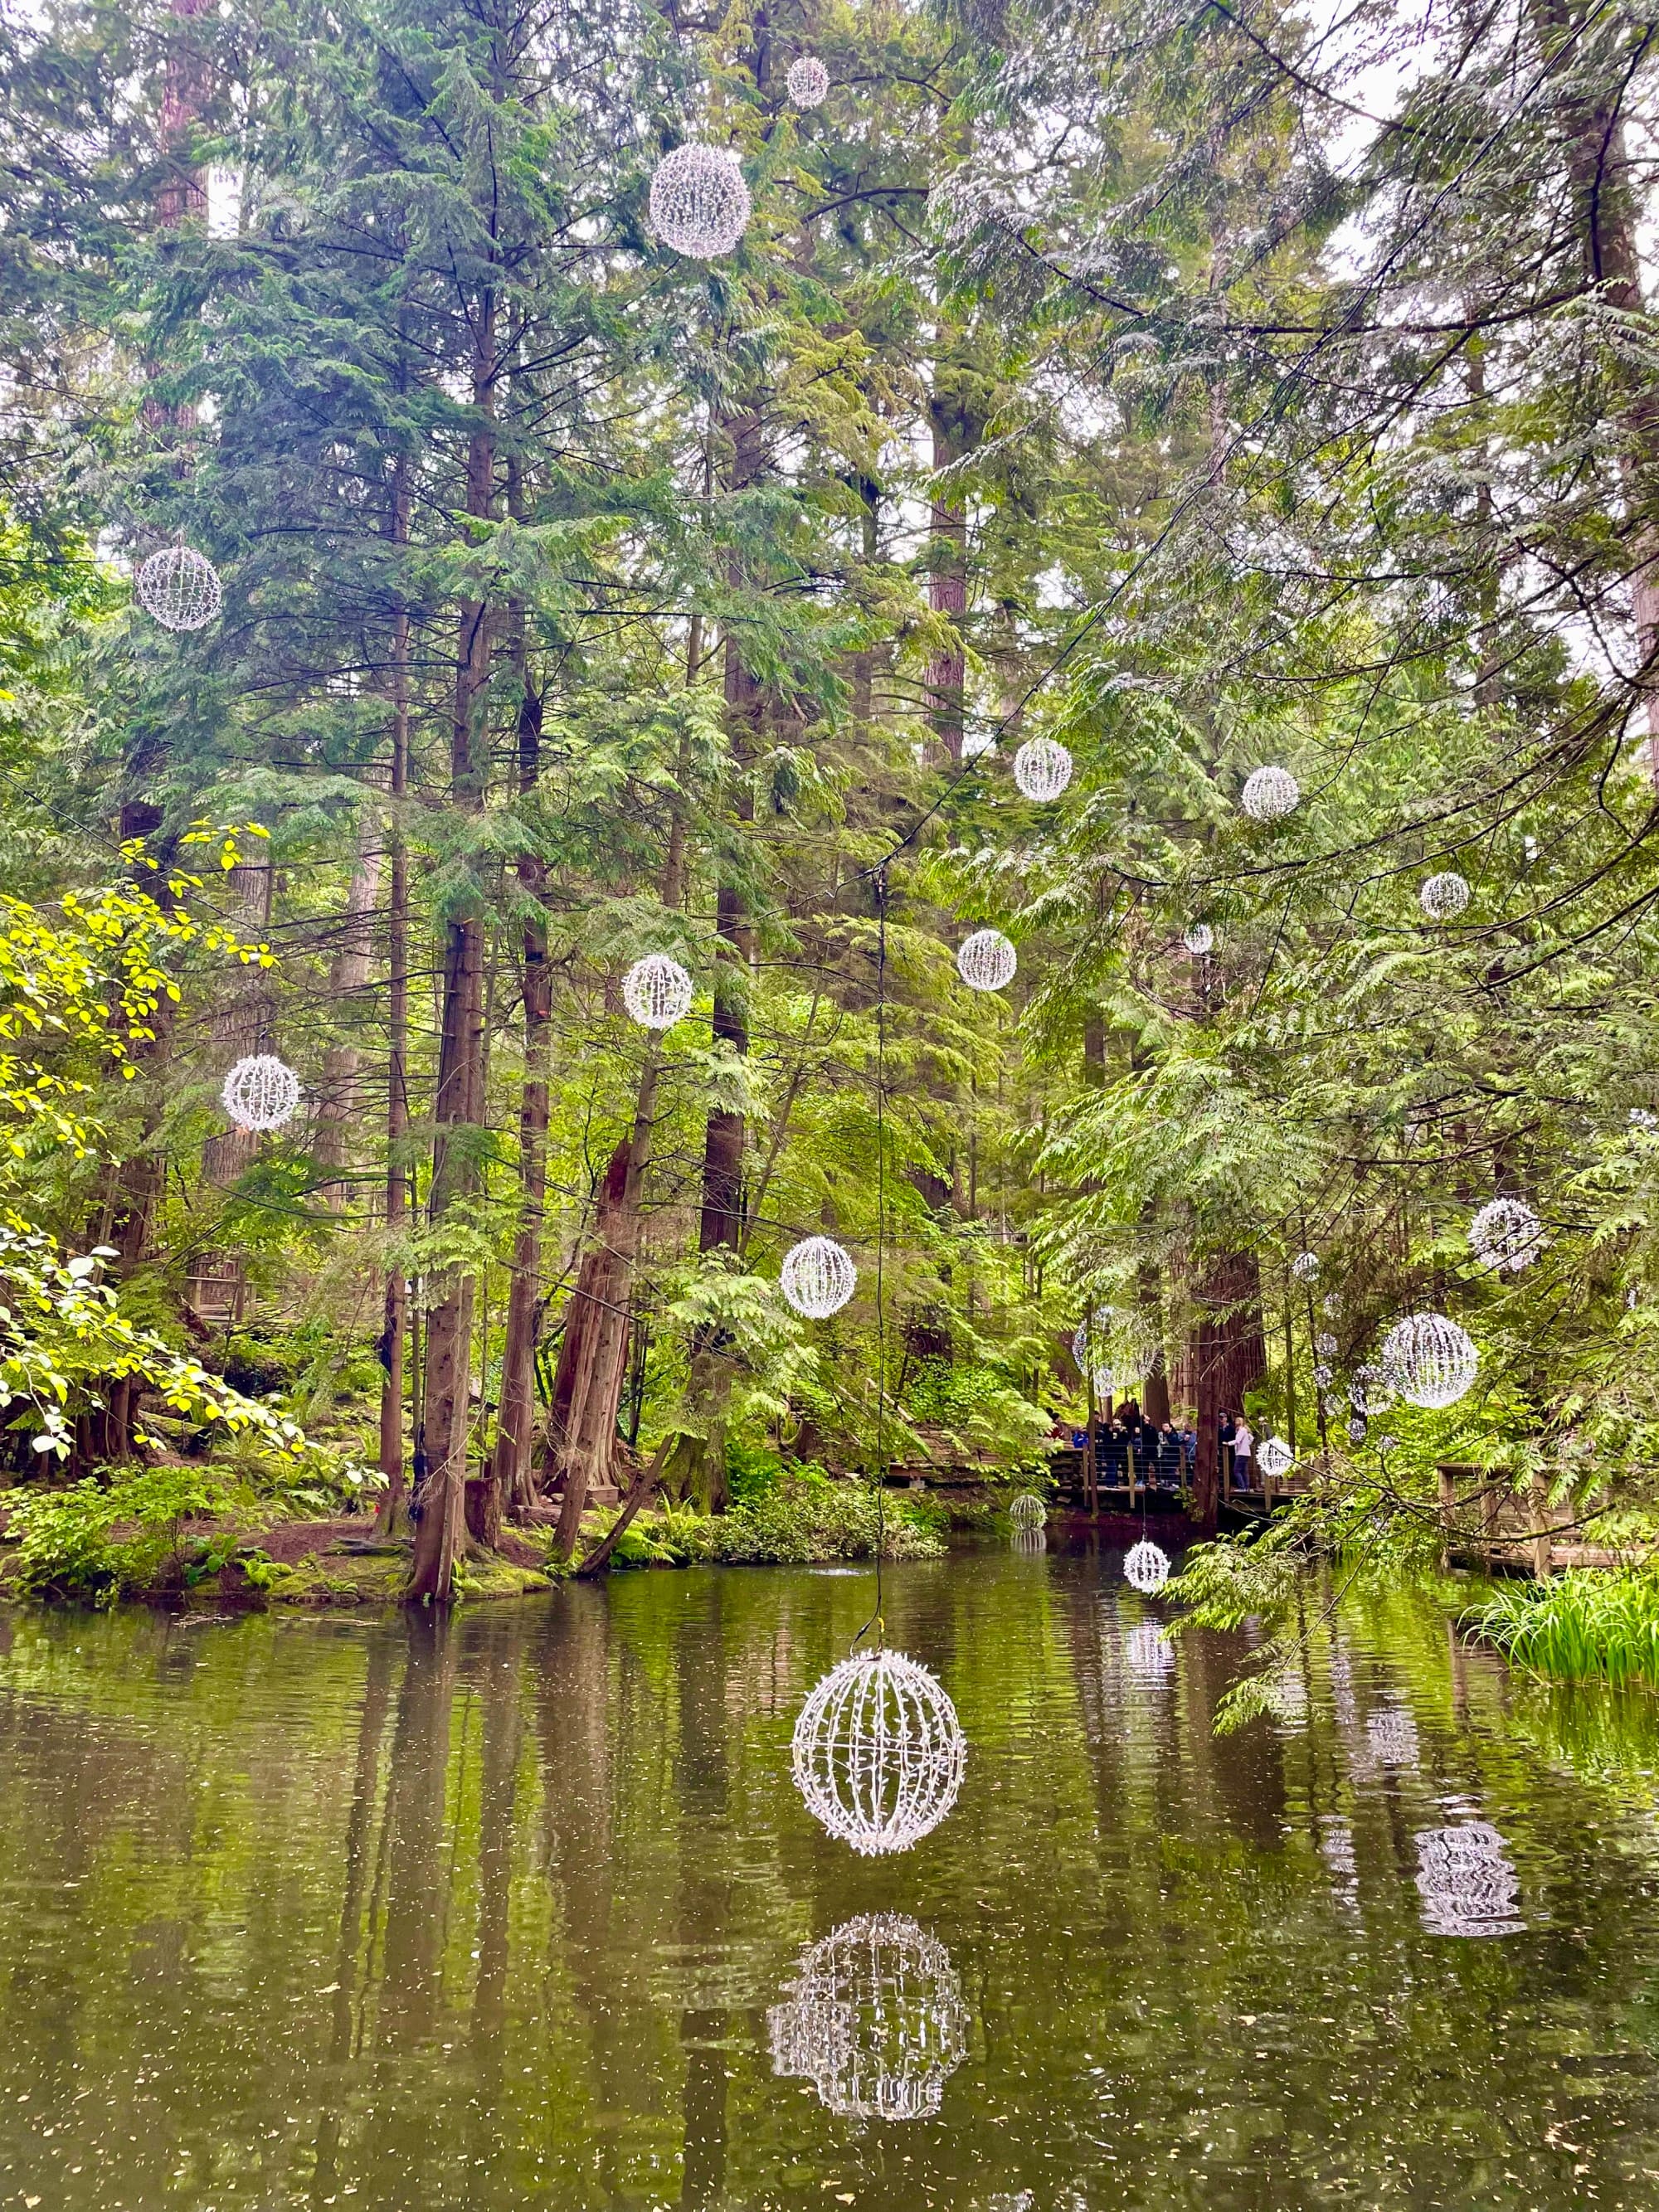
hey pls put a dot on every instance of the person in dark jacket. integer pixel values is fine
(1224, 1436)
(1112, 1456)
(1169, 1457)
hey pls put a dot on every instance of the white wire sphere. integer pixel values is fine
(1359, 1428)
(1445, 896)
(1042, 769)
(808, 81)
(1430, 1360)
(657, 992)
(1146, 1567)
(817, 1277)
(699, 204)
(1306, 1266)
(1028, 1511)
(1370, 1390)
(1275, 1457)
(1325, 1345)
(878, 1753)
(1506, 1233)
(987, 961)
(874, 2019)
(1270, 794)
(261, 1093)
(1323, 1374)
(1198, 938)
(179, 587)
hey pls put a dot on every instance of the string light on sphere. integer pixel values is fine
(1643, 1117)
(699, 204)
(179, 587)
(1042, 769)
(1322, 1374)
(1146, 1567)
(1105, 1382)
(1275, 1458)
(1330, 1305)
(1270, 794)
(657, 992)
(261, 1093)
(1506, 1233)
(1325, 1345)
(1430, 1360)
(1370, 1390)
(1198, 938)
(874, 2019)
(878, 1753)
(817, 1277)
(987, 961)
(1333, 1405)
(1359, 1428)
(1444, 898)
(808, 81)
(1306, 1266)
(1028, 1511)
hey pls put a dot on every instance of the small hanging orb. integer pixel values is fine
(1333, 1405)
(1028, 1511)
(1430, 1360)
(878, 1753)
(1146, 1567)
(1444, 898)
(261, 1093)
(1506, 1234)
(179, 587)
(1198, 938)
(1275, 1458)
(657, 992)
(808, 81)
(1386, 1444)
(1325, 1345)
(1330, 1305)
(1643, 1117)
(987, 961)
(1042, 769)
(874, 2019)
(699, 204)
(1359, 1428)
(1270, 794)
(1322, 1375)
(817, 1277)
(1370, 1390)
(1306, 1266)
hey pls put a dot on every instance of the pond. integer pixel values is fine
(523, 1911)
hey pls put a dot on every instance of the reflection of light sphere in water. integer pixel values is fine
(1467, 1886)
(879, 1752)
(1149, 1651)
(874, 2019)
(1146, 1567)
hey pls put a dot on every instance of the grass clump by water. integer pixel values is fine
(1582, 1623)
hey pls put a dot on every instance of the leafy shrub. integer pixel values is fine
(804, 1520)
(984, 1417)
(95, 1539)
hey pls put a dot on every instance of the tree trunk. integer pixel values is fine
(348, 972)
(947, 566)
(392, 1518)
(1228, 1355)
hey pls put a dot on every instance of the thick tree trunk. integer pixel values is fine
(1228, 1356)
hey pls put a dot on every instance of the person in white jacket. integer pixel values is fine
(1244, 1446)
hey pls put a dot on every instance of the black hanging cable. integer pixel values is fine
(879, 882)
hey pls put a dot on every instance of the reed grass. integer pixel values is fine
(1583, 1623)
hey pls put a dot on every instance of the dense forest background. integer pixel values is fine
(1202, 388)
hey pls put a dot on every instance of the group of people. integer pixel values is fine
(1129, 1445)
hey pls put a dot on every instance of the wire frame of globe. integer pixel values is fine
(1467, 1886)
(1445, 896)
(1270, 794)
(987, 961)
(878, 1753)
(1275, 1458)
(1429, 1360)
(817, 1277)
(179, 588)
(699, 204)
(874, 2019)
(1306, 1266)
(808, 81)
(657, 992)
(1146, 1567)
(1122, 1343)
(261, 1093)
(1506, 1233)
(1042, 769)
(1028, 1511)
(1198, 938)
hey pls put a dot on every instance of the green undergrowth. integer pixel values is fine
(804, 1518)
(1591, 1621)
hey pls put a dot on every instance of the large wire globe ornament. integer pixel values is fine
(817, 1277)
(1275, 1458)
(179, 587)
(1306, 1266)
(1467, 1883)
(1445, 896)
(699, 204)
(1198, 938)
(878, 1753)
(808, 81)
(874, 2019)
(987, 961)
(1270, 794)
(261, 1093)
(1430, 1360)
(1146, 1567)
(1028, 1511)
(1042, 769)
(657, 992)
(1506, 1233)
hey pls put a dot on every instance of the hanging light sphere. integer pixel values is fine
(1506, 1234)
(1270, 794)
(1444, 898)
(657, 992)
(179, 587)
(1042, 769)
(1359, 1428)
(1306, 1266)
(874, 2019)
(878, 1753)
(1322, 1375)
(1275, 1458)
(1325, 1345)
(699, 204)
(1429, 1360)
(1028, 1511)
(808, 81)
(817, 1277)
(261, 1093)
(987, 961)
(1198, 938)
(1370, 1390)
(1146, 1567)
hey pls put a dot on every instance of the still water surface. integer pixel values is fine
(513, 1913)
